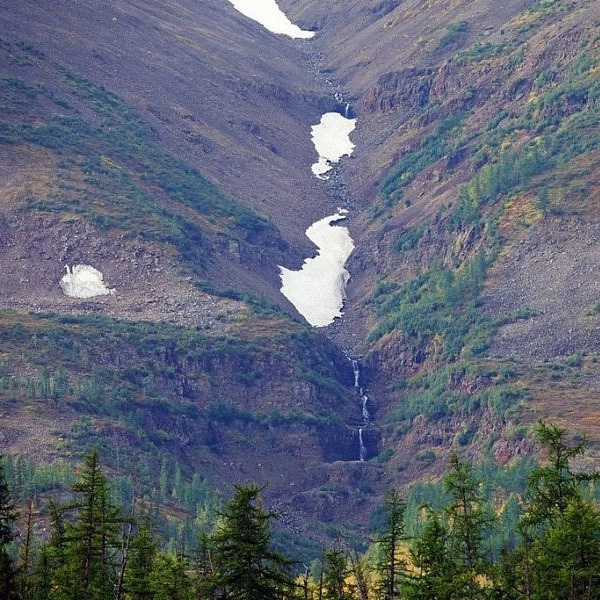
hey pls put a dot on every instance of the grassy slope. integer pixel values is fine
(517, 157)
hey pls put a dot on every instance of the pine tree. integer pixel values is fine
(566, 560)
(168, 579)
(560, 557)
(335, 573)
(245, 566)
(204, 566)
(551, 487)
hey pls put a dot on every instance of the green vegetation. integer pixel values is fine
(433, 147)
(524, 153)
(115, 175)
(449, 548)
(455, 33)
(140, 391)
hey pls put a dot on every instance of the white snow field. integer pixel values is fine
(331, 138)
(317, 290)
(270, 16)
(83, 281)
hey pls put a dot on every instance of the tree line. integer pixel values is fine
(93, 551)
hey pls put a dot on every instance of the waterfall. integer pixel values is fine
(356, 371)
(362, 453)
(365, 411)
(364, 401)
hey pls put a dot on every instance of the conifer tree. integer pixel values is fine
(560, 557)
(245, 566)
(389, 567)
(168, 579)
(436, 569)
(566, 560)
(143, 549)
(8, 515)
(86, 564)
(468, 517)
(335, 573)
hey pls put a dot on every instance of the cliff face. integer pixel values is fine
(167, 144)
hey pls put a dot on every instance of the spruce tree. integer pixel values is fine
(143, 549)
(245, 566)
(560, 557)
(467, 515)
(168, 579)
(566, 560)
(335, 573)
(85, 552)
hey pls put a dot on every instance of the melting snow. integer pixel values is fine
(83, 281)
(331, 138)
(318, 289)
(270, 16)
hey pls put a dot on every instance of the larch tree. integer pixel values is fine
(390, 567)
(560, 556)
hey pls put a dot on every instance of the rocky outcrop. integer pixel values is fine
(403, 91)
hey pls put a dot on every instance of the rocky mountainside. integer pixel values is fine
(167, 144)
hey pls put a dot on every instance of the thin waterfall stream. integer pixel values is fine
(364, 404)
(317, 290)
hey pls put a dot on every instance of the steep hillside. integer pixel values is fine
(475, 279)
(167, 144)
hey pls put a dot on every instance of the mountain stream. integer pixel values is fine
(317, 290)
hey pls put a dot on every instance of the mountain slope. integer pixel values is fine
(168, 145)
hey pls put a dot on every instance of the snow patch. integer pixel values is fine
(331, 138)
(318, 289)
(83, 281)
(270, 16)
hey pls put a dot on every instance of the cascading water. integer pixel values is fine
(364, 400)
(365, 411)
(362, 453)
(356, 371)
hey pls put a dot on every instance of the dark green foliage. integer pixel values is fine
(566, 561)
(168, 579)
(390, 568)
(245, 567)
(440, 301)
(435, 565)
(556, 554)
(560, 554)
(335, 572)
(468, 516)
(8, 515)
(433, 147)
(142, 552)
(451, 554)
(87, 566)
